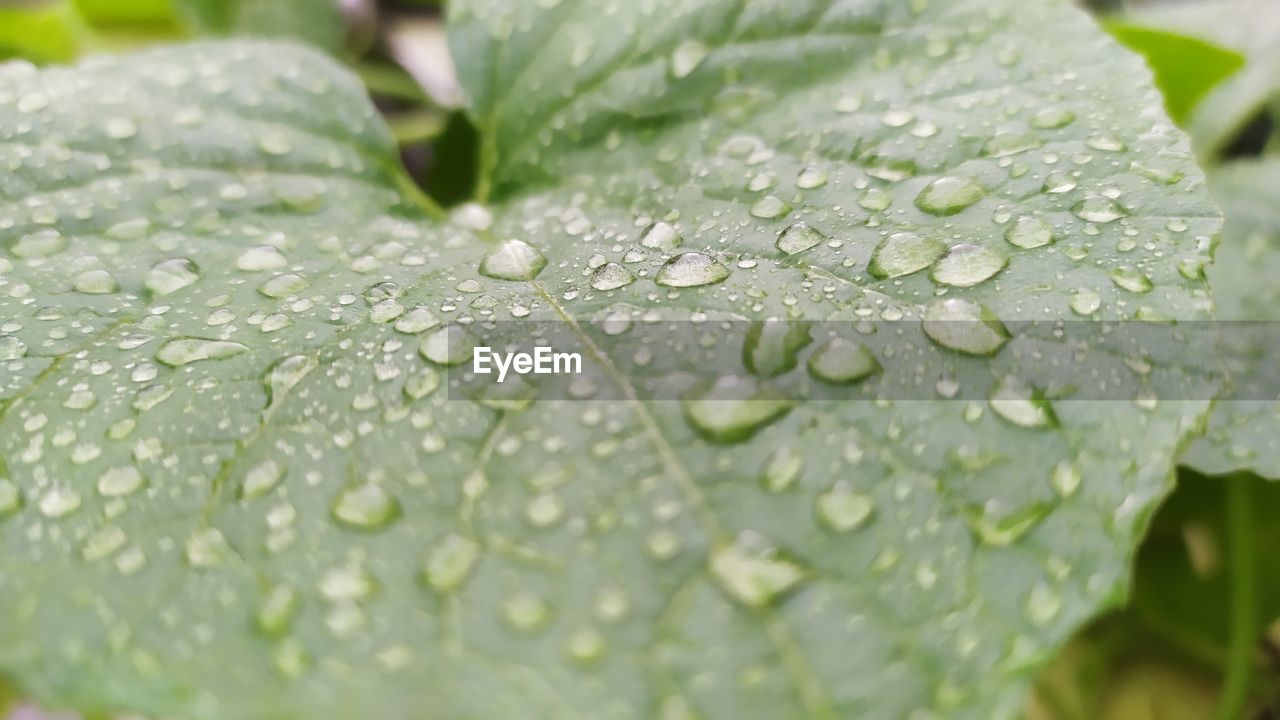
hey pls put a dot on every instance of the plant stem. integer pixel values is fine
(1243, 568)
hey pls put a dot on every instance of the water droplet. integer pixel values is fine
(261, 257)
(1131, 279)
(966, 265)
(120, 481)
(660, 236)
(277, 610)
(611, 276)
(798, 238)
(691, 269)
(282, 286)
(10, 498)
(1065, 478)
(733, 409)
(842, 362)
(367, 506)
(1085, 301)
(1029, 232)
(449, 345)
(183, 351)
(261, 479)
(997, 527)
(513, 260)
(169, 276)
(842, 510)
(1017, 403)
(1010, 143)
(811, 177)
(58, 502)
(11, 348)
(772, 346)
(687, 57)
(769, 208)
(285, 374)
(526, 612)
(965, 327)
(585, 646)
(95, 282)
(449, 564)
(949, 195)
(1043, 604)
(782, 469)
(1098, 209)
(42, 243)
(902, 254)
(1052, 119)
(754, 579)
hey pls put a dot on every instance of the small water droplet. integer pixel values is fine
(120, 481)
(449, 564)
(58, 502)
(526, 612)
(842, 510)
(259, 480)
(277, 610)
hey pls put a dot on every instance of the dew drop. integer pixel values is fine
(282, 286)
(1131, 279)
(769, 208)
(1098, 209)
(949, 195)
(1029, 232)
(611, 276)
(966, 265)
(660, 236)
(754, 579)
(733, 409)
(1015, 402)
(842, 362)
(95, 282)
(120, 481)
(277, 610)
(367, 506)
(261, 257)
(965, 327)
(1085, 301)
(798, 238)
(449, 564)
(261, 479)
(902, 254)
(184, 351)
(513, 260)
(170, 276)
(782, 469)
(526, 612)
(59, 502)
(687, 57)
(842, 511)
(691, 269)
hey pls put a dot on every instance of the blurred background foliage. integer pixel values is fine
(1199, 637)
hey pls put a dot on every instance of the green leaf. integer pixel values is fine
(41, 32)
(318, 22)
(1251, 27)
(236, 489)
(1185, 67)
(1242, 433)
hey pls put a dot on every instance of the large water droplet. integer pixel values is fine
(276, 611)
(10, 498)
(1131, 279)
(1010, 143)
(611, 276)
(169, 276)
(95, 282)
(1020, 405)
(183, 351)
(754, 579)
(1029, 232)
(11, 348)
(449, 564)
(41, 243)
(513, 260)
(120, 481)
(59, 501)
(965, 327)
(282, 286)
(261, 257)
(842, 510)
(526, 612)
(1065, 478)
(782, 469)
(691, 269)
(949, 195)
(660, 236)
(1098, 209)
(771, 346)
(449, 345)
(769, 208)
(966, 265)
(367, 506)
(841, 361)
(261, 479)
(686, 58)
(902, 254)
(733, 409)
(1085, 301)
(798, 238)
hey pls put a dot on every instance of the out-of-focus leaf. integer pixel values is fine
(1186, 68)
(129, 12)
(41, 31)
(319, 22)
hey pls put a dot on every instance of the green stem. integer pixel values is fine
(1243, 568)
(415, 194)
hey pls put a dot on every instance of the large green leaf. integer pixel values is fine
(318, 22)
(232, 492)
(1242, 433)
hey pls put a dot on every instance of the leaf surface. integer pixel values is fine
(233, 487)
